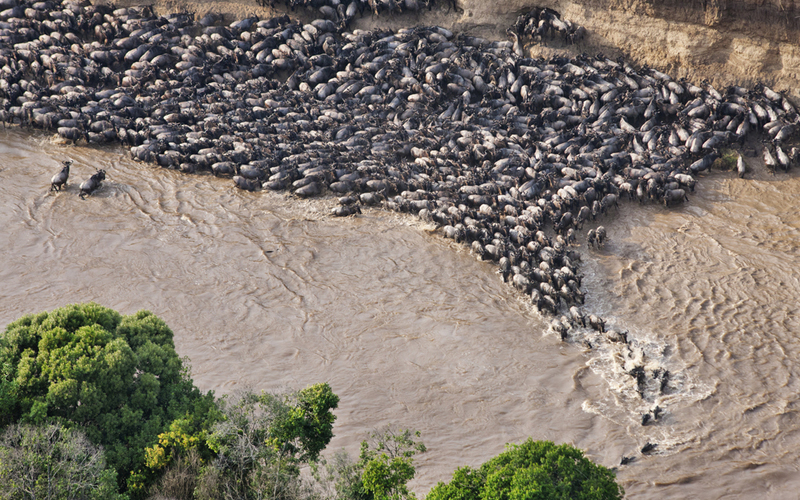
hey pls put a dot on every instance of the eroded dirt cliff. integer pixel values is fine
(744, 42)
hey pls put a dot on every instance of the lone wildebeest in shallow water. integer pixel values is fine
(91, 185)
(60, 179)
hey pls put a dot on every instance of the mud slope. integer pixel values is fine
(744, 41)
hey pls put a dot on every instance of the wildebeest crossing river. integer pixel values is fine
(410, 328)
(494, 147)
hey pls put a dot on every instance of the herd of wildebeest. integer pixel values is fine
(509, 154)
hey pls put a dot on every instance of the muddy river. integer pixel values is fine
(268, 292)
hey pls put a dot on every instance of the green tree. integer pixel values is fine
(384, 468)
(49, 462)
(388, 464)
(531, 471)
(117, 378)
(386, 477)
(180, 479)
(181, 452)
(467, 484)
(306, 427)
(339, 477)
(263, 439)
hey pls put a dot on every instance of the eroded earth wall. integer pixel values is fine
(726, 42)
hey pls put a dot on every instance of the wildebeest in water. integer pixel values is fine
(91, 185)
(60, 179)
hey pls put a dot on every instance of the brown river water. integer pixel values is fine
(268, 292)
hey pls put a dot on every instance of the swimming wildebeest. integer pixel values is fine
(597, 323)
(60, 179)
(91, 185)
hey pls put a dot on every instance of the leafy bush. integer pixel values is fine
(50, 462)
(384, 468)
(180, 478)
(388, 464)
(117, 378)
(263, 439)
(727, 160)
(338, 477)
(530, 471)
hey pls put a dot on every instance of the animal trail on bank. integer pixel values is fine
(508, 154)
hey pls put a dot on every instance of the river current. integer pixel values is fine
(267, 292)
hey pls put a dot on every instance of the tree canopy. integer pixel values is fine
(533, 470)
(117, 378)
(382, 472)
(262, 440)
(48, 462)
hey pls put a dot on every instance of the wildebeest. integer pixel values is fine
(591, 238)
(345, 210)
(583, 216)
(686, 180)
(564, 223)
(769, 160)
(703, 163)
(60, 179)
(609, 200)
(601, 235)
(597, 323)
(559, 328)
(577, 316)
(648, 448)
(741, 168)
(674, 196)
(245, 184)
(615, 336)
(783, 158)
(310, 189)
(91, 185)
(596, 237)
(223, 168)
